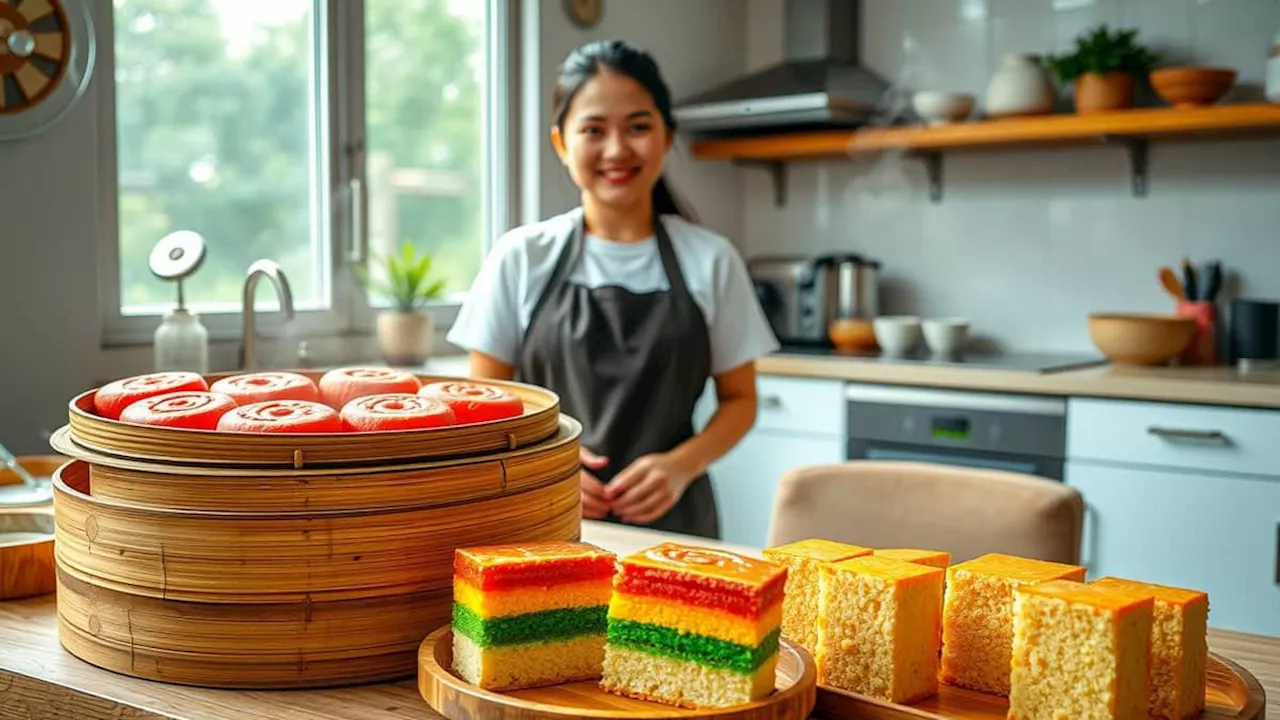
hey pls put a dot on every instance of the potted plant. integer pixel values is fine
(404, 329)
(1103, 67)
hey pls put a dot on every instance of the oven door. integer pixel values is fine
(1046, 467)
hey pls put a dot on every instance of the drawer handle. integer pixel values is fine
(1213, 436)
(771, 402)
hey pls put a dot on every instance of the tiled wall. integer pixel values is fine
(1026, 244)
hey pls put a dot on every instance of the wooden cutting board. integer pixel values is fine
(457, 699)
(1231, 693)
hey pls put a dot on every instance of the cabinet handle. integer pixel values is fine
(1214, 436)
(771, 402)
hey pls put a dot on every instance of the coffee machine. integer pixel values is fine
(802, 295)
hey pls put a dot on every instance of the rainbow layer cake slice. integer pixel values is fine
(803, 558)
(694, 627)
(530, 614)
(1080, 651)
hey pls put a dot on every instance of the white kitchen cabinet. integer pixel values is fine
(800, 421)
(1162, 508)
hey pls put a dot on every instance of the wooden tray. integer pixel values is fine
(316, 490)
(456, 699)
(1232, 693)
(202, 447)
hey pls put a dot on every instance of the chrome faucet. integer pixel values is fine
(271, 271)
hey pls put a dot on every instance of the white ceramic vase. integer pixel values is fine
(1020, 87)
(404, 337)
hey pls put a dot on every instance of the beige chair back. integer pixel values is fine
(967, 512)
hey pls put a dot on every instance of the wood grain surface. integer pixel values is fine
(39, 680)
(792, 699)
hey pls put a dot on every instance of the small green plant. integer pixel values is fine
(1101, 51)
(405, 280)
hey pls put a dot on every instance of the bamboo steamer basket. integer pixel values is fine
(254, 589)
(313, 490)
(180, 446)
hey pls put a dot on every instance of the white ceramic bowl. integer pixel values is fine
(897, 334)
(939, 108)
(945, 336)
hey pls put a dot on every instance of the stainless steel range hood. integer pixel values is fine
(819, 83)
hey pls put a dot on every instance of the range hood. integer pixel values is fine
(819, 83)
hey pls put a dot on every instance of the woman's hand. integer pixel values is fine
(647, 488)
(594, 504)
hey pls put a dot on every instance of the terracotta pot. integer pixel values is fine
(1100, 93)
(404, 337)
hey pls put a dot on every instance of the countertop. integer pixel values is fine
(1217, 385)
(38, 679)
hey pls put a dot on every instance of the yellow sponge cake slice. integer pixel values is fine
(932, 558)
(802, 560)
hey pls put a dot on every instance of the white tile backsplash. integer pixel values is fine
(1027, 243)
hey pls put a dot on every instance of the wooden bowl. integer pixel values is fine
(1184, 87)
(298, 450)
(1140, 339)
(41, 466)
(26, 554)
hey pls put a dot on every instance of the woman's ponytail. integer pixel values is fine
(665, 201)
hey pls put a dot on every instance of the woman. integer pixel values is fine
(623, 307)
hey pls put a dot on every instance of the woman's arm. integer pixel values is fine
(645, 490)
(484, 365)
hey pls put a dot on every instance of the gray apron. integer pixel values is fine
(630, 367)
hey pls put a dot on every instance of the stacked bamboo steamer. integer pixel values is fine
(274, 561)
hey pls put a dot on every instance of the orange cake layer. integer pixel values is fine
(532, 564)
(704, 577)
(1179, 647)
(1079, 651)
(977, 616)
(932, 558)
(802, 560)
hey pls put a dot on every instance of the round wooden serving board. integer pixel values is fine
(1231, 693)
(457, 699)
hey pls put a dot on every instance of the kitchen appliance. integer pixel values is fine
(1253, 334)
(802, 295)
(819, 83)
(1018, 433)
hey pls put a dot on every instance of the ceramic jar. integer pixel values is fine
(1020, 87)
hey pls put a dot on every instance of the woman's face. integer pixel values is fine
(614, 140)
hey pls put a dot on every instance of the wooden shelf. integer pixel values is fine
(1131, 129)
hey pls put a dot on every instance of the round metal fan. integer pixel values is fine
(47, 54)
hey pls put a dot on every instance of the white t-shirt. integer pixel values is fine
(500, 304)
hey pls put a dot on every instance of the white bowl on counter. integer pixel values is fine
(937, 107)
(945, 336)
(897, 334)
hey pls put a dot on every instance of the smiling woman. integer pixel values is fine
(624, 306)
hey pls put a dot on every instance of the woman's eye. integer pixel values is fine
(641, 127)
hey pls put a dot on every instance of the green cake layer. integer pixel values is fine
(709, 651)
(543, 626)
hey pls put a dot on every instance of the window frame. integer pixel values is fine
(341, 104)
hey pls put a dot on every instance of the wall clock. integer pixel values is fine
(47, 54)
(584, 13)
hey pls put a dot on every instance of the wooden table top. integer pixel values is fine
(38, 679)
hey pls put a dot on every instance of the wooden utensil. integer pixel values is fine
(449, 695)
(1170, 283)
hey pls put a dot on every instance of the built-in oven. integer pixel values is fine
(1019, 433)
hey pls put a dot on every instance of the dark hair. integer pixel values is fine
(617, 56)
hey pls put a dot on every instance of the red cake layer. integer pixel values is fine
(507, 567)
(734, 598)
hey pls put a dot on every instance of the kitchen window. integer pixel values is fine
(314, 133)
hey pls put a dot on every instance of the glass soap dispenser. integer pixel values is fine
(181, 341)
